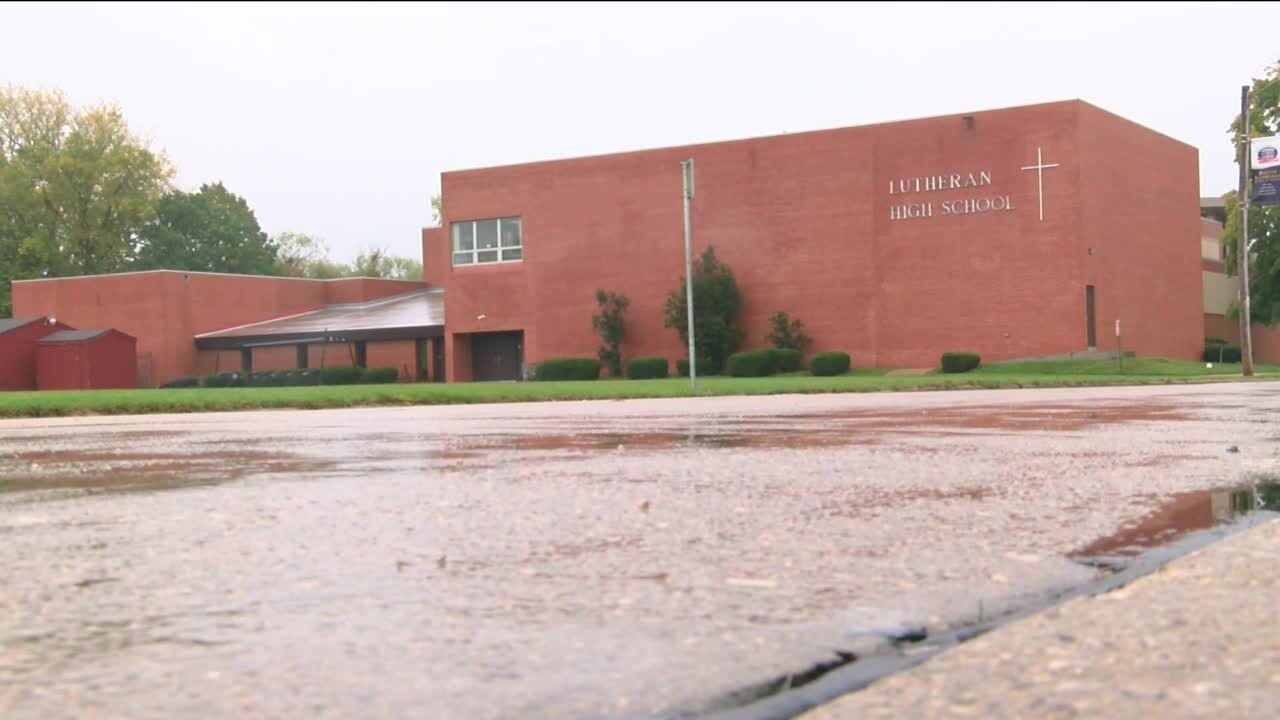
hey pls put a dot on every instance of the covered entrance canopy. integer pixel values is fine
(416, 316)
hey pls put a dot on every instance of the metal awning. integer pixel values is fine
(418, 314)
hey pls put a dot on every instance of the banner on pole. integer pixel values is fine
(1264, 153)
(1264, 161)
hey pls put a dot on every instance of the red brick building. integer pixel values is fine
(18, 339)
(1015, 233)
(167, 311)
(86, 360)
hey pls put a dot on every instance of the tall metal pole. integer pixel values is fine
(1242, 239)
(687, 171)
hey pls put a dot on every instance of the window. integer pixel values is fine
(476, 242)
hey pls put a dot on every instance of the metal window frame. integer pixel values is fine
(475, 250)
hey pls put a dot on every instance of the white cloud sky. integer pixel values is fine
(337, 120)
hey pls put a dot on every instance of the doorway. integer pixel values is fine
(1091, 330)
(496, 356)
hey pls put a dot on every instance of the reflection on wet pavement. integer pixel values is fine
(1185, 513)
(578, 560)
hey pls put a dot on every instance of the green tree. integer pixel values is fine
(377, 262)
(610, 326)
(787, 333)
(299, 255)
(1264, 222)
(212, 230)
(75, 186)
(437, 209)
(716, 304)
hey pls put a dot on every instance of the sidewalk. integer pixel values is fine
(1198, 639)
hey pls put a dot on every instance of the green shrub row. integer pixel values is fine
(1221, 352)
(682, 367)
(751, 363)
(646, 368)
(335, 375)
(568, 369)
(830, 363)
(960, 362)
(761, 363)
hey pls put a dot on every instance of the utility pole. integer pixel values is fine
(686, 168)
(1242, 238)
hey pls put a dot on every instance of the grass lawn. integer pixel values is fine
(1062, 374)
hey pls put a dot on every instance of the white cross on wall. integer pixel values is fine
(1039, 167)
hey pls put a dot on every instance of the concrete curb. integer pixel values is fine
(1198, 638)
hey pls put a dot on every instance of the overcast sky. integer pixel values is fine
(337, 120)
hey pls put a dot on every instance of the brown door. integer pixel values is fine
(496, 356)
(437, 360)
(1091, 328)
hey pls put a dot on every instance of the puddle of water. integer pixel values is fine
(1054, 418)
(779, 438)
(1182, 514)
(138, 472)
(841, 429)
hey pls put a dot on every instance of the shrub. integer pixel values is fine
(786, 359)
(960, 362)
(1221, 353)
(716, 304)
(568, 369)
(182, 382)
(609, 325)
(787, 333)
(647, 368)
(295, 378)
(682, 367)
(753, 363)
(379, 376)
(340, 375)
(263, 378)
(226, 379)
(830, 363)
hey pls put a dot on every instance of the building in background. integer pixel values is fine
(18, 339)
(1023, 232)
(86, 360)
(1016, 233)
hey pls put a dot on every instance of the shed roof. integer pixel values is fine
(7, 324)
(63, 336)
(408, 315)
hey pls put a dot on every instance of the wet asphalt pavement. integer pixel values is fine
(570, 560)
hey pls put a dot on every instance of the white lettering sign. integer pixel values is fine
(949, 181)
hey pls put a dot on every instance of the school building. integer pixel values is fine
(1022, 232)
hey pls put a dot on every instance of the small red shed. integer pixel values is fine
(86, 359)
(18, 338)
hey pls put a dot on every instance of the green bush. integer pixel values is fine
(262, 378)
(295, 378)
(568, 369)
(1221, 353)
(682, 367)
(226, 379)
(753, 363)
(960, 362)
(611, 328)
(379, 376)
(717, 301)
(647, 368)
(182, 382)
(787, 333)
(830, 363)
(786, 359)
(340, 375)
